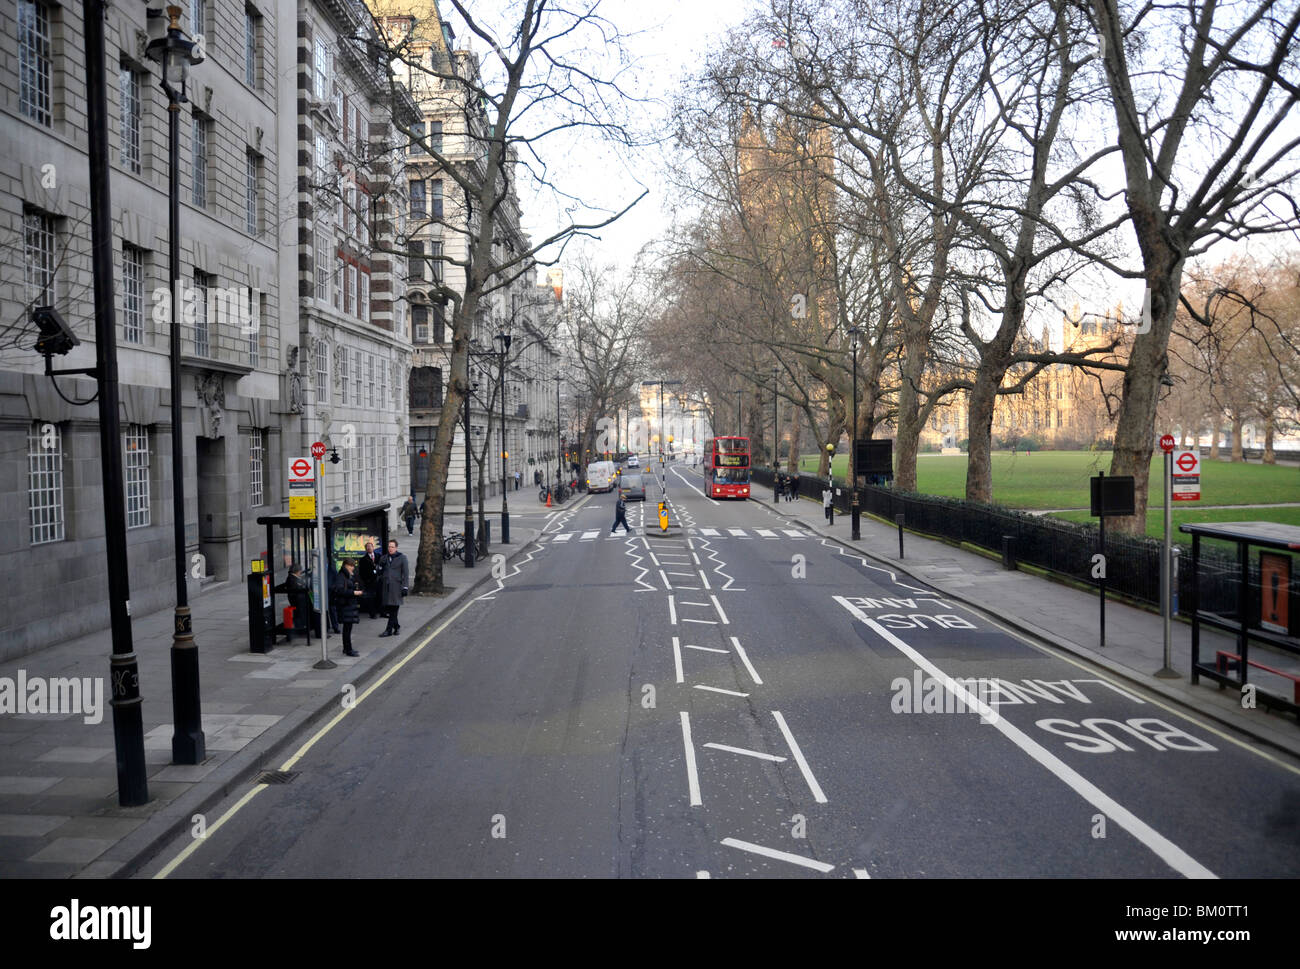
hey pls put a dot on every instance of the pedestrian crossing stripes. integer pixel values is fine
(768, 534)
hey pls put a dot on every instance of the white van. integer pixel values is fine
(601, 476)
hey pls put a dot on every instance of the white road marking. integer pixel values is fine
(696, 558)
(804, 769)
(704, 604)
(588, 536)
(707, 622)
(654, 560)
(692, 777)
(718, 689)
(672, 610)
(861, 873)
(706, 649)
(820, 866)
(766, 532)
(708, 531)
(718, 605)
(667, 584)
(677, 660)
(748, 753)
(1168, 852)
(794, 533)
(738, 532)
(745, 659)
(705, 579)
(701, 874)
(562, 537)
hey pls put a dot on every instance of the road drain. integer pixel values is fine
(276, 776)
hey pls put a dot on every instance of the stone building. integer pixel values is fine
(234, 384)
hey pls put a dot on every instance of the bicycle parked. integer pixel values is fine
(453, 544)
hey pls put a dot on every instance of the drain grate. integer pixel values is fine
(276, 776)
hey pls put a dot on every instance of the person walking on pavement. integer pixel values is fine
(407, 514)
(519, 479)
(393, 583)
(368, 572)
(620, 515)
(346, 590)
(827, 496)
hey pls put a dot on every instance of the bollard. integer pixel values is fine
(898, 519)
(1009, 552)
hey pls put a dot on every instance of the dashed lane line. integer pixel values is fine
(820, 866)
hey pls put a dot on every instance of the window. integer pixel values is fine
(337, 287)
(435, 136)
(359, 131)
(34, 61)
(363, 217)
(45, 482)
(38, 242)
(322, 354)
(363, 296)
(252, 178)
(322, 157)
(129, 86)
(356, 377)
(350, 208)
(435, 250)
(420, 322)
(415, 264)
(252, 31)
(439, 324)
(322, 70)
(198, 16)
(349, 288)
(384, 484)
(132, 294)
(343, 373)
(370, 379)
(339, 106)
(417, 139)
(417, 198)
(199, 160)
(256, 467)
(426, 387)
(253, 326)
(436, 186)
(135, 445)
(371, 471)
(323, 256)
(202, 346)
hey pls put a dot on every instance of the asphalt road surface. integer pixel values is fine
(740, 698)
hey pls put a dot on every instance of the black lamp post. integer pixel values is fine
(739, 423)
(855, 510)
(663, 483)
(176, 54)
(504, 339)
(469, 466)
(559, 447)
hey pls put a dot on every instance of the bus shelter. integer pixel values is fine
(1256, 601)
(291, 542)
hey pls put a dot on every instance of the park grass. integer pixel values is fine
(1059, 479)
(1188, 514)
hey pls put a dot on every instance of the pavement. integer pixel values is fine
(59, 812)
(1061, 615)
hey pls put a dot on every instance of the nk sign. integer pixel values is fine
(1186, 476)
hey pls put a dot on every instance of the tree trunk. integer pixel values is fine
(907, 442)
(1237, 423)
(1214, 440)
(1270, 426)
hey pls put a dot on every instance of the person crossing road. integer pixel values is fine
(620, 515)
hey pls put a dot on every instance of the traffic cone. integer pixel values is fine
(548, 499)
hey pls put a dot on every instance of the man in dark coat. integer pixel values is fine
(345, 592)
(408, 514)
(368, 572)
(394, 581)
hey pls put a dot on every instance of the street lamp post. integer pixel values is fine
(663, 474)
(739, 423)
(469, 464)
(504, 339)
(559, 447)
(855, 509)
(176, 53)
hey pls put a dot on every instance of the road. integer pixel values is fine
(743, 699)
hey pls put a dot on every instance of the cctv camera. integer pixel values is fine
(56, 335)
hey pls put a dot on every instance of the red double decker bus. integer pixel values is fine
(726, 467)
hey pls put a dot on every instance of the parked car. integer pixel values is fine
(632, 487)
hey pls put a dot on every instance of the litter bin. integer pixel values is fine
(261, 622)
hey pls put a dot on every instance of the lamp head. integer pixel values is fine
(56, 335)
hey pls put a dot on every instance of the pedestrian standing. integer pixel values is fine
(519, 479)
(368, 572)
(345, 591)
(393, 584)
(407, 514)
(537, 477)
(620, 515)
(828, 496)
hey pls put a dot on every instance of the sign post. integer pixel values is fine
(1112, 496)
(1166, 671)
(322, 560)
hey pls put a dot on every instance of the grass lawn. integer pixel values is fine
(1059, 479)
(1188, 515)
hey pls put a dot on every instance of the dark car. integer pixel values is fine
(631, 487)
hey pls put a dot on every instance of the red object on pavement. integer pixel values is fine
(287, 618)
